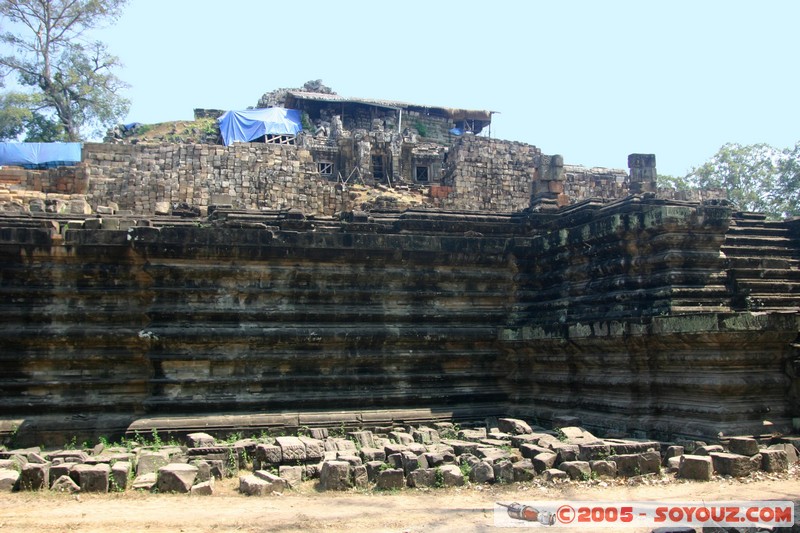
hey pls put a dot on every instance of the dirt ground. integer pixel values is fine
(467, 509)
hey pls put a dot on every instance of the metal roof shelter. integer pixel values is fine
(312, 103)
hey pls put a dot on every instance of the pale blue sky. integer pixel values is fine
(592, 80)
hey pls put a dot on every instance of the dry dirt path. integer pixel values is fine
(461, 510)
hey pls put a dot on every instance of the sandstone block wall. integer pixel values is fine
(490, 175)
(255, 176)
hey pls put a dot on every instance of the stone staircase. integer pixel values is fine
(763, 264)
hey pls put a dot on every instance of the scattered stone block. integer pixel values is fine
(673, 451)
(354, 460)
(673, 464)
(278, 483)
(401, 437)
(524, 470)
(774, 461)
(145, 481)
(649, 462)
(491, 455)
(9, 480)
(452, 476)
(292, 449)
(148, 462)
(65, 484)
(58, 470)
(483, 472)
(503, 471)
(422, 477)
(543, 461)
(194, 440)
(603, 468)
(743, 445)
(409, 461)
(514, 426)
(360, 477)
(791, 451)
(91, 478)
(708, 449)
(292, 474)
(120, 472)
(565, 452)
(423, 435)
(593, 452)
(735, 465)
(176, 477)
(390, 479)
(254, 486)
(554, 474)
(335, 475)
(576, 470)
(205, 488)
(34, 476)
(203, 470)
(697, 467)
(373, 467)
(474, 434)
(266, 455)
(318, 433)
(315, 448)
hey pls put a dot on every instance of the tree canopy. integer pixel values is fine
(756, 177)
(67, 82)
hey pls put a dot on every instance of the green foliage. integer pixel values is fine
(421, 128)
(466, 469)
(439, 478)
(69, 80)
(679, 183)
(560, 435)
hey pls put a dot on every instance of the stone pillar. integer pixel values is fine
(548, 183)
(642, 173)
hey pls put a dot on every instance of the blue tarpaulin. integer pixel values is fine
(31, 155)
(244, 126)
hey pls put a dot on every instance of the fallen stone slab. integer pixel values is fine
(254, 486)
(69, 456)
(315, 448)
(145, 481)
(360, 477)
(452, 476)
(390, 479)
(9, 480)
(373, 467)
(205, 488)
(266, 455)
(491, 455)
(91, 478)
(176, 477)
(425, 435)
(774, 461)
(735, 465)
(503, 471)
(565, 452)
(593, 452)
(364, 439)
(554, 474)
(483, 472)
(577, 435)
(293, 475)
(603, 468)
(672, 451)
(372, 454)
(708, 449)
(65, 484)
(523, 470)
(791, 451)
(401, 437)
(58, 470)
(627, 446)
(461, 447)
(195, 440)
(543, 461)
(335, 475)
(148, 462)
(697, 467)
(34, 476)
(278, 483)
(577, 470)
(530, 450)
(422, 477)
(514, 426)
(475, 434)
(292, 449)
(120, 473)
(743, 445)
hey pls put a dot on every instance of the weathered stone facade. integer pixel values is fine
(643, 315)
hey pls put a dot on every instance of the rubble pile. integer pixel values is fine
(506, 450)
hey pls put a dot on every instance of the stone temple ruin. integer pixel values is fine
(382, 270)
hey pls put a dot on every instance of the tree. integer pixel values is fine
(746, 173)
(70, 81)
(755, 177)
